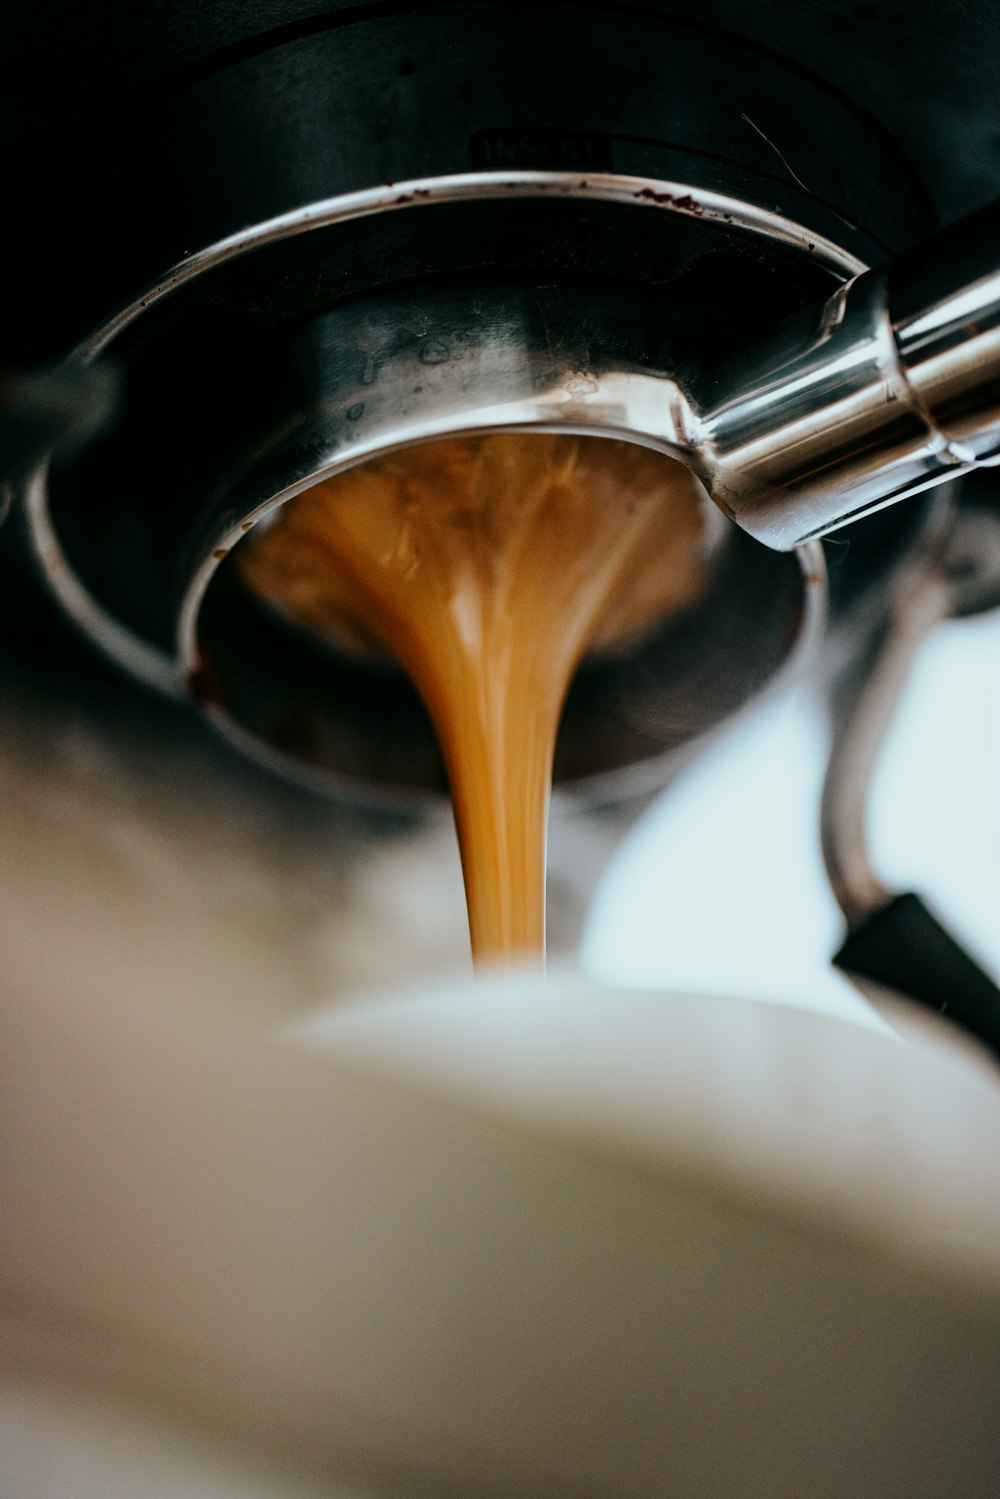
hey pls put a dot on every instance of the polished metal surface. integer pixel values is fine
(955, 571)
(944, 300)
(881, 390)
(923, 598)
(293, 170)
(851, 406)
(652, 195)
(890, 387)
(246, 429)
(292, 179)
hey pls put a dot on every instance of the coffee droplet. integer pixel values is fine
(487, 567)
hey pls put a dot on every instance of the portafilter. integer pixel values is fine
(351, 238)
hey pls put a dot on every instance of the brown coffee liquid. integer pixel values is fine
(487, 567)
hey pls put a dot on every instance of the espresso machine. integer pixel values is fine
(313, 241)
(247, 248)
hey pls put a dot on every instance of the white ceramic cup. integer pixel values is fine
(509, 1237)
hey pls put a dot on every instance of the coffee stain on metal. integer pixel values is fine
(685, 204)
(204, 684)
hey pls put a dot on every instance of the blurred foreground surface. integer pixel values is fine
(504, 1238)
(494, 1239)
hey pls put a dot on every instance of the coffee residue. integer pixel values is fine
(487, 567)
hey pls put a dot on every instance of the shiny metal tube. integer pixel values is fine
(945, 304)
(889, 387)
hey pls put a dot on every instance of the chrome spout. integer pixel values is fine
(889, 387)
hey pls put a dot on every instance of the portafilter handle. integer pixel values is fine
(889, 387)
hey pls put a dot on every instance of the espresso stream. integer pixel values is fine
(487, 567)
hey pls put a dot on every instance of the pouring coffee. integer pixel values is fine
(790, 436)
(486, 567)
(508, 256)
(316, 248)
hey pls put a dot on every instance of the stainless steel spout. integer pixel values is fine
(890, 386)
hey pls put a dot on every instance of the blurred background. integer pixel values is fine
(720, 887)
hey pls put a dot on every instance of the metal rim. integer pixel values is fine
(167, 672)
(425, 192)
(640, 778)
